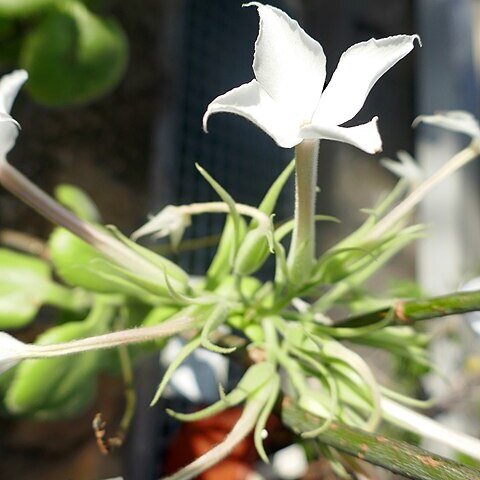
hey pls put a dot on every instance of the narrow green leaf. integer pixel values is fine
(217, 316)
(76, 200)
(225, 196)
(264, 416)
(270, 200)
(185, 351)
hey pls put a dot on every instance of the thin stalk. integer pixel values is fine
(109, 340)
(130, 397)
(222, 207)
(403, 208)
(20, 186)
(302, 248)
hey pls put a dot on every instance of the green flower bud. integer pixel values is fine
(253, 253)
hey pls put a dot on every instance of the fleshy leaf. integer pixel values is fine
(225, 196)
(73, 56)
(221, 265)
(76, 200)
(264, 416)
(186, 350)
(23, 8)
(270, 200)
(254, 378)
(216, 317)
(25, 285)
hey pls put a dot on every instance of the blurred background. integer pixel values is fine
(129, 132)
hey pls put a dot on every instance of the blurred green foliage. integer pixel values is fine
(73, 55)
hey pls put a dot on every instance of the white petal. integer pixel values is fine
(456, 120)
(252, 102)
(9, 86)
(169, 221)
(406, 168)
(365, 136)
(8, 133)
(288, 63)
(11, 351)
(358, 70)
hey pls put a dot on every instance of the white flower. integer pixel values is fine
(9, 86)
(407, 168)
(12, 351)
(455, 120)
(171, 221)
(285, 99)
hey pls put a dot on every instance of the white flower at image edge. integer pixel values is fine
(455, 120)
(11, 351)
(9, 86)
(285, 99)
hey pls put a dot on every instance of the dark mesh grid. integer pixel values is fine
(214, 55)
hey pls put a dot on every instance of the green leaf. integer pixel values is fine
(76, 200)
(221, 265)
(25, 285)
(270, 200)
(71, 257)
(264, 416)
(225, 196)
(53, 384)
(164, 265)
(216, 317)
(73, 56)
(186, 350)
(23, 8)
(254, 378)
(46, 384)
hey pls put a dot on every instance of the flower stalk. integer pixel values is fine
(404, 208)
(20, 186)
(12, 351)
(302, 249)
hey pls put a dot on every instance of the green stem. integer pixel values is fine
(20, 186)
(396, 456)
(302, 249)
(402, 209)
(73, 300)
(410, 311)
(130, 397)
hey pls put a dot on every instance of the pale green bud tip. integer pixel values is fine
(11, 351)
(171, 221)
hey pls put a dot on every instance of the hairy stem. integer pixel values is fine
(20, 186)
(109, 340)
(403, 208)
(302, 249)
